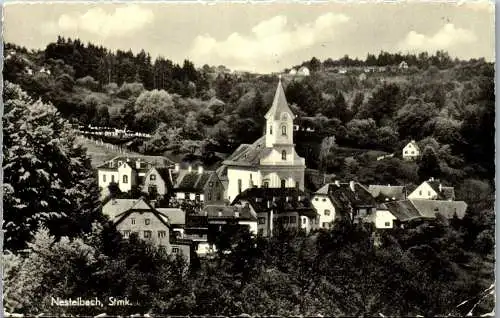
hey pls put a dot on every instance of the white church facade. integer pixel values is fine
(271, 161)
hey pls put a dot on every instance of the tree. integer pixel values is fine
(328, 146)
(429, 165)
(43, 160)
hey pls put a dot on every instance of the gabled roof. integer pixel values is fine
(249, 155)
(141, 206)
(414, 144)
(281, 200)
(279, 105)
(194, 181)
(228, 212)
(407, 210)
(145, 162)
(116, 206)
(343, 197)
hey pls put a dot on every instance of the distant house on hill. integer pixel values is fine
(303, 71)
(403, 65)
(433, 190)
(411, 151)
(293, 72)
(362, 77)
(384, 193)
(343, 71)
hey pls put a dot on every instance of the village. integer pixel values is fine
(180, 207)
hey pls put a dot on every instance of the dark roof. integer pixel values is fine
(280, 199)
(228, 212)
(138, 163)
(194, 181)
(391, 193)
(403, 210)
(343, 196)
(446, 193)
(249, 155)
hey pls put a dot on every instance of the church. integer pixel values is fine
(271, 161)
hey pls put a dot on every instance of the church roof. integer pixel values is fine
(280, 104)
(249, 155)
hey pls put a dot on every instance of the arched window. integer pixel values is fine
(283, 130)
(125, 179)
(284, 116)
(283, 183)
(271, 129)
(283, 155)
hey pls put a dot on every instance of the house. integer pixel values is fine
(218, 215)
(384, 193)
(127, 171)
(196, 230)
(403, 65)
(382, 218)
(293, 72)
(157, 181)
(276, 208)
(362, 77)
(303, 71)
(271, 161)
(201, 185)
(342, 71)
(411, 151)
(424, 210)
(177, 220)
(337, 200)
(432, 190)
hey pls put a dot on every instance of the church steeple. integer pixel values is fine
(279, 120)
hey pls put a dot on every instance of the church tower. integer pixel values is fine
(279, 121)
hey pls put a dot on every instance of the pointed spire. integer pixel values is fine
(280, 104)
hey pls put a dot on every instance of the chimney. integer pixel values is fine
(200, 169)
(431, 179)
(177, 167)
(190, 169)
(440, 187)
(351, 185)
(138, 164)
(337, 183)
(236, 214)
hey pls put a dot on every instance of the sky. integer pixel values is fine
(265, 37)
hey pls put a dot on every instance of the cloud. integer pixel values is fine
(448, 36)
(268, 40)
(122, 21)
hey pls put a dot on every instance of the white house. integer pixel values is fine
(403, 65)
(432, 190)
(271, 161)
(411, 151)
(303, 71)
(382, 218)
(293, 72)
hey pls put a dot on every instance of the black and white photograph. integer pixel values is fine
(248, 159)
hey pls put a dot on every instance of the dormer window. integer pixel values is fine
(283, 155)
(284, 116)
(283, 130)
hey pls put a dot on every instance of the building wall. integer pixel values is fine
(158, 182)
(423, 191)
(214, 190)
(384, 219)
(234, 174)
(109, 177)
(139, 226)
(322, 203)
(123, 170)
(263, 224)
(180, 249)
(410, 152)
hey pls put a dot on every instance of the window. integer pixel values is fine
(147, 234)
(239, 185)
(152, 177)
(324, 200)
(387, 223)
(284, 116)
(412, 152)
(113, 178)
(271, 129)
(428, 193)
(132, 221)
(283, 155)
(283, 183)
(209, 196)
(175, 250)
(406, 152)
(325, 225)
(293, 219)
(153, 189)
(126, 233)
(316, 199)
(283, 130)
(261, 232)
(262, 220)
(104, 177)
(125, 179)
(162, 234)
(197, 197)
(147, 221)
(420, 192)
(327, 212)
(266, 184)
(304, 220)
(297, 185)
(284, 219)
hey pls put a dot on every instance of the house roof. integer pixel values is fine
(142, 206)
(407, 210)
(343, 196)
(280, 104)
(249, 155)
(193, 181)
(138, 163)
(446, 193)
(383, 192)
(282, 200)
(116, 206)
(175, 215)
(228, 212)
(414, 144)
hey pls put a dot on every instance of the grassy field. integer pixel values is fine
(100, 153)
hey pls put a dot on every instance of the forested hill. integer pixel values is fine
(446, 104)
